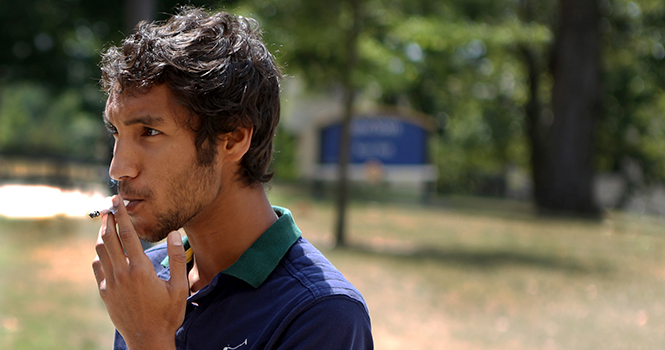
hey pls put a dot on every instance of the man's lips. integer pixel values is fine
(131, 204)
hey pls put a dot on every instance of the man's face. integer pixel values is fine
(154, 162)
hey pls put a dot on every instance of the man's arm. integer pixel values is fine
(146, 310)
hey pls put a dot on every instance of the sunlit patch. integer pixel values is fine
(34, 201)
(642, 318)
(62, 263)
(11, 324)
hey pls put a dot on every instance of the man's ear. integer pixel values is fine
(235, 144)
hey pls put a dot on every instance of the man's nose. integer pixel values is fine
(125, 162)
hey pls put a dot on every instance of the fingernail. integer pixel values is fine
(116, 201)
(175, 239)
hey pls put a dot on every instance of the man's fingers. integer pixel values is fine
(111, 245)
(97, 269)
(101, 263)
(126, 231)
(177, 263)
(102, 260)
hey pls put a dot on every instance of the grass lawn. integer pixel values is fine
(469, 274)
(48, 296)
(488, 274)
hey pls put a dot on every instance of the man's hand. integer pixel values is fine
(146, 310)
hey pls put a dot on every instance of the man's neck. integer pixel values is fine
(223, 231)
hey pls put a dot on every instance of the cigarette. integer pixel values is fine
(97, 213)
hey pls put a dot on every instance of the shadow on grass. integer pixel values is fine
(484, 259)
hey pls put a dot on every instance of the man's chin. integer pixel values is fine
(152, 234)
(153, 231)
(153, 238)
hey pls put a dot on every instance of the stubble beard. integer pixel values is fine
(188, 194)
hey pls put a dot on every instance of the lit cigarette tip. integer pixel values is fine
(97, 213)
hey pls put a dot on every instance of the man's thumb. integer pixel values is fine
(177, 262)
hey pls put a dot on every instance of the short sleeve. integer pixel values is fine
(335, 322)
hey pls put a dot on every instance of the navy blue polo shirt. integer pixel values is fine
(282, 293)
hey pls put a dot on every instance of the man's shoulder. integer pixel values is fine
(316, 273)
(321, 298)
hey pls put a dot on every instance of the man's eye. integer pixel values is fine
(111, 129)
(152, 132)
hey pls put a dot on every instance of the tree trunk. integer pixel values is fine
(345, 140)
(568, 168)
(536, 131)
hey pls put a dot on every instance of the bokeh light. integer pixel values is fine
(38, 201)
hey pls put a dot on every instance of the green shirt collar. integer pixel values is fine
(258, 262)
(261, 258)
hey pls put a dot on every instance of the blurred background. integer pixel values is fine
(489, 173)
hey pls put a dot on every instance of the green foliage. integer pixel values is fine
(55, 43)
(461, 66)
(50, 102)
(35, 121)
(454, 61)
(633, 126)
(285, 156)
(50, 99)
(458, 61)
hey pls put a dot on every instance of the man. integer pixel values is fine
(193, 105)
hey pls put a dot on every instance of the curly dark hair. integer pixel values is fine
(217, 67)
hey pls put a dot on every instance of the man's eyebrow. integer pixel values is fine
(148, 120)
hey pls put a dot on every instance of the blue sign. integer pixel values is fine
(388, 140)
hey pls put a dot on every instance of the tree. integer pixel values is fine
(565, 181)
(591, 123)
(326, 60)
(52, 51)
(421, 55)
(495, 77)
(348, 104)
(631, 134)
